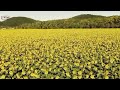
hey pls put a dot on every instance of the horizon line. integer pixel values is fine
(54, 19)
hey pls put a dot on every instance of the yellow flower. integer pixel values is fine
(67, 74)
(106, 77)
(75, 77)
(107, 66)
(11, 73)
(79, 72)
(92, 77)
(2, 77)
(57, 77)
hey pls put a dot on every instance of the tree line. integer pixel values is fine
(81, 21)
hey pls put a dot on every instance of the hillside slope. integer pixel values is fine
(16, 21)
(80, 21)
(87, 16)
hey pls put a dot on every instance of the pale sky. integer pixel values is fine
(50, 15)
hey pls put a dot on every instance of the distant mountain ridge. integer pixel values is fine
(79, 21)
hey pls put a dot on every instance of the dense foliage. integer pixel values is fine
(81, 21)
(60, 54)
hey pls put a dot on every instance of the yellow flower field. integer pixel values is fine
(60, 54)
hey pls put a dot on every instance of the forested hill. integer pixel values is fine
(80, 21)
(86, 16)
(16, 21)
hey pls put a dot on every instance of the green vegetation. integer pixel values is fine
(80, 21)
(16, 21)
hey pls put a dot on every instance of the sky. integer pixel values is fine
(52, 15)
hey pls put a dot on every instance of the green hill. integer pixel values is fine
(80, 21)
(86, 16)
(16, 21)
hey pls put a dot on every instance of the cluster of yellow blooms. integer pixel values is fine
(60, 54)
